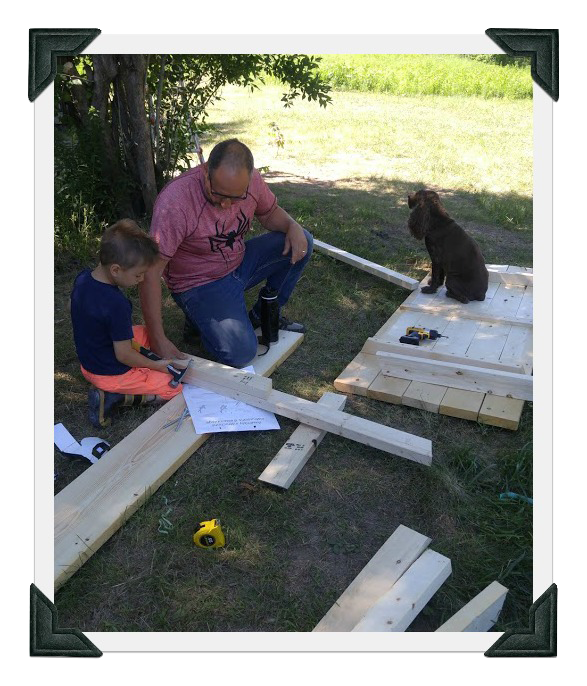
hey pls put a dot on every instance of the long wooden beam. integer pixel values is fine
(375, 344)
(96, 504)
(367, 266)
(467, 378)
(519, 277)
(225, 376)
(291, 458)
(397, 608)
(355, 428)
(480, 613)
(463, 313)
(376, 578)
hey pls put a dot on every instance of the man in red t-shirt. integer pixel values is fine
(199, 221)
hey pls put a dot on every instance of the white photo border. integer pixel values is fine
(44, 352)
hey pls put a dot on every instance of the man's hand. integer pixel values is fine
(295, 240)
(167, 350)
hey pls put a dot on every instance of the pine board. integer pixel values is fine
(289, 461)
(366, 266)
(382, 571)
(479, 614)
(398, 607)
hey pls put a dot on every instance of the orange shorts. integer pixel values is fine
(138, 380)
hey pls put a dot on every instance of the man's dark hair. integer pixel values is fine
(231, 153)
(126, 244)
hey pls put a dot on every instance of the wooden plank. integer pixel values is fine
(397, 328)
(382, 571)
(457, 337)
(202, 372)
(525, 270)
(288, 462)
(366, 265)
(358, 375)
(354, 428)
(479, 614)
(389, 323)
(461, 404)
(518, 348)
(499, 411)
(374, 345)
(457, 376)
(93, 506)
(481, 316)
(449, 305)
(398, 607)
(526, 309)
(506, 301)
(488, 342)
(388, 389)
(424, 396)
(516, 278)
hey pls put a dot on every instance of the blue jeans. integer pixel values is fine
(218, 308)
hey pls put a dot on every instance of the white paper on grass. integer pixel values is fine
(92, 448)
(214, 413)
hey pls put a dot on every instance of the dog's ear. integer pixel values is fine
(437, 209)
(419, 220)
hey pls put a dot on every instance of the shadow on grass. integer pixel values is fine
(368, 216)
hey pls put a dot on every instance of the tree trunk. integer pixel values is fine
(132, 70)
(105, 71)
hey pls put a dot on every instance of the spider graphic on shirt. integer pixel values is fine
(221, 241)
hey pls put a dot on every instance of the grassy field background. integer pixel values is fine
(343, 172)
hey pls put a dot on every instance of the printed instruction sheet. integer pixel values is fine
(213, 413)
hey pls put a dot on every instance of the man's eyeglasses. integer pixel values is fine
(231, 197)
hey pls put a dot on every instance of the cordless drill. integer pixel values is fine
(415, 334)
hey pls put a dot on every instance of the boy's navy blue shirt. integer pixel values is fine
(100, 314)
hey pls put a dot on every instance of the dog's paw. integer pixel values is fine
(429, 289)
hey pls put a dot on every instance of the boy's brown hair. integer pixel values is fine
(126, 244)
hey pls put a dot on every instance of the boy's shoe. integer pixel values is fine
(101, 404)
(284, 323)
(191, 334)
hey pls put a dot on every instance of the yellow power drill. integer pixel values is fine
(415, 334)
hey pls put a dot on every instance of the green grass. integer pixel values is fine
(344, 173)
(409, 75)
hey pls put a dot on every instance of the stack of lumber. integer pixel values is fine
(480, 370)
(395, 586)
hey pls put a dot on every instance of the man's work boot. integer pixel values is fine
(284, 323)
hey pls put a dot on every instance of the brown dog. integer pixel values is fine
(455, 255)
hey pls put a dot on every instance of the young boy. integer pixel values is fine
(103, 330)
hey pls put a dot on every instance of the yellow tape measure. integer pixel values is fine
(209, 535)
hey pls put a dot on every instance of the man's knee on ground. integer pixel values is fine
(240, 354)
